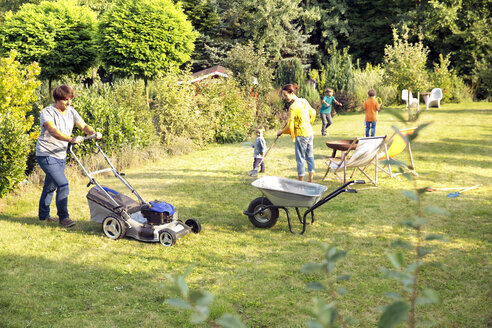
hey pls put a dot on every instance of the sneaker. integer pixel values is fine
(49, 219)
(67, 222)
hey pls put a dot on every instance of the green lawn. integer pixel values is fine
(56, 277)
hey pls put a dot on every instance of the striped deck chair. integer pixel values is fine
(364, 154)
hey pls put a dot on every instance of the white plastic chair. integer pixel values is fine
(406, 97)
(435, 98)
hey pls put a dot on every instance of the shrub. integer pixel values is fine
(14, 150)
(209, 111)
(453, 88)
(292, 72)
(372, 77)
(180, 111)
(118, 112)
(17, 92)
(338, 70)
(235, 115)
(404, 64)
(247, 62)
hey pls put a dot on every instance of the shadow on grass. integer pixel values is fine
(81, 227)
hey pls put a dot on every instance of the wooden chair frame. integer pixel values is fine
(343, 161)
(387, 151)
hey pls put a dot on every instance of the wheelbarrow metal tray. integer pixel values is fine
(289, 192)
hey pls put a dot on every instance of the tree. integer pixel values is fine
(371, 23)
(405, 64)
(461, 30)
(145, 38)
(332, 27)
(249, 63)
(59, 35)
(276, 26)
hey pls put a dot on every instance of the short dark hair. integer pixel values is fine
(63, 92)
(290, 88)
(371, 93)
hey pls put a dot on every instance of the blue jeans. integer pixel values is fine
(304, 152)
(370, 126)
(55, 180)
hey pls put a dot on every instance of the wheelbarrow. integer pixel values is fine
(280, 193)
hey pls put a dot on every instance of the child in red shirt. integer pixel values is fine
(371, 107)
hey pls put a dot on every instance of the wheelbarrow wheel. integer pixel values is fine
(265, 219)
(113, 228)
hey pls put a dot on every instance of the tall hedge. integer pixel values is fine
(17, 91)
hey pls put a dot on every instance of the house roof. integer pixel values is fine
(216, 70)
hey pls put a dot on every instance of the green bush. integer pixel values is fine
(180, 112)
(453, 88)
(372, 77)
(204, 112)
(405, 64)
(17, 91)
(118, 112)
(14, 150)
(292, 72)
(235, 113)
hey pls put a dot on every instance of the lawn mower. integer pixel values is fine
(120, 215)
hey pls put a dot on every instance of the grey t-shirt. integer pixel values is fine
(48, 145)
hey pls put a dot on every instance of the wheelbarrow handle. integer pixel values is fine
(335, 193)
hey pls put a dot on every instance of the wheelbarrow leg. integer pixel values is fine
(299, 215)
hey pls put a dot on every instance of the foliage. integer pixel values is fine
(118, 112)
(17, 90)
(338, 73)
(273, 26)
(326, 314)
(404, 64)
(249, 63)
(408, 274)
(202, 14)
(372, 77)
(179, 113)
(145, 38)
(14, 150)
(59, 35)
(198, 302)
(453, 88)
(204, 112)
(461, 30)
(338, 70)
(370, 26)
(292, 72)
(332, 27)
(236, 111)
